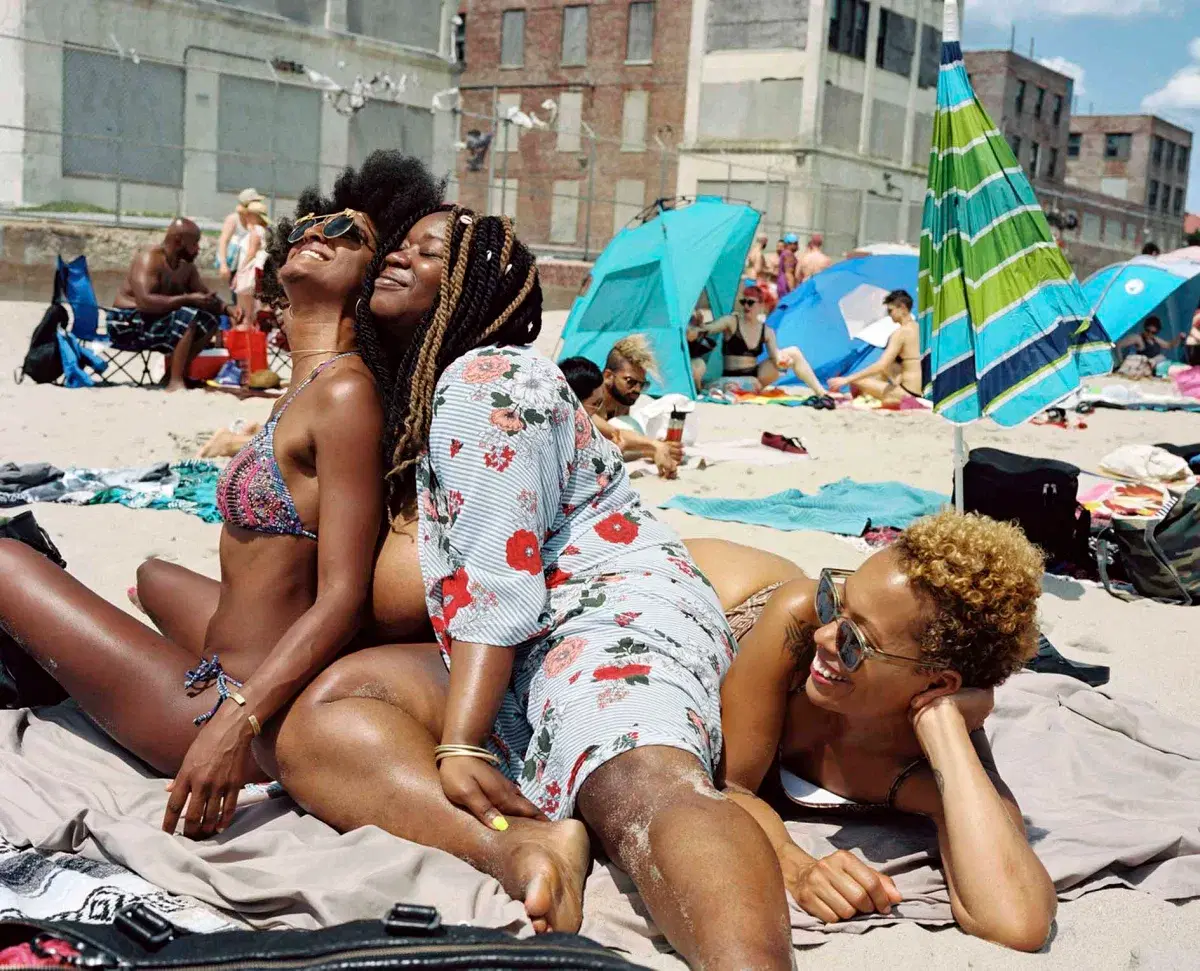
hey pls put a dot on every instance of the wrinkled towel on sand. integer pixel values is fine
(846, 507)
(1109, 789)
(187, 486)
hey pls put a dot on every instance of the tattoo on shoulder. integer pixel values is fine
(798, 639)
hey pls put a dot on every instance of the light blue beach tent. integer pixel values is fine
(649, 278)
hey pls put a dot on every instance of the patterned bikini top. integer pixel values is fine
(251, 492)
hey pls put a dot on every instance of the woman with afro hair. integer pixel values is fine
(869, 688)
(576, 678)
(302, 504)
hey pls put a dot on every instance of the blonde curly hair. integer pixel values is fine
(981, 580)
(636, 350)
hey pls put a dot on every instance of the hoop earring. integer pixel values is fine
(358, 310)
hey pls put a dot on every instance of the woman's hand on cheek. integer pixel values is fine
(972, 704)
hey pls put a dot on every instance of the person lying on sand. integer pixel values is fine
(576, 678)
(873, 685)
(587, 381)
(302, 505)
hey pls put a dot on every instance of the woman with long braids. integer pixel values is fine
(584, 650)
(302, 505)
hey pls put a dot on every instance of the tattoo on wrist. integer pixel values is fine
(939, 781)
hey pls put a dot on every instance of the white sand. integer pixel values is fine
(1147, 645)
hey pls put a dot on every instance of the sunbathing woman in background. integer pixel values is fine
(869, 687)
(584, 649)
(302, 504)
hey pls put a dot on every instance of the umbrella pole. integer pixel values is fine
(960, 459)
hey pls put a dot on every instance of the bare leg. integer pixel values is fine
(180, 358)
(180, 601)
(703, 866)
(247, 304)
(881, 388)
(127, 677)
(356, 749)
(699, 369)
(797, 362)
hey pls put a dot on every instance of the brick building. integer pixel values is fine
(1030, 104)
(1138, 158)
(617, 73)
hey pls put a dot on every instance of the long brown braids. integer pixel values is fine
(489, 294)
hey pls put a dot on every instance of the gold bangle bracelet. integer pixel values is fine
(254, 724)
(467, 751)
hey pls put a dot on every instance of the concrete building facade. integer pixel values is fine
(817, 112)
(173, 106)
(1030, 104)
(616, 73)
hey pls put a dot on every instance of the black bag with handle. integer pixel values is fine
(1039, 495)
(409, 937)
(43, 360)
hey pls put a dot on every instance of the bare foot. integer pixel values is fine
(173, 386)
(547, 872)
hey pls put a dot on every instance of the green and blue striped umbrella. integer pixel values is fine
(1006, 331)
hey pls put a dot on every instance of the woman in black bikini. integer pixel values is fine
(873, 686)
(302, 504)
(897, 374)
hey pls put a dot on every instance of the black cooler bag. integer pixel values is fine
(1039, 495)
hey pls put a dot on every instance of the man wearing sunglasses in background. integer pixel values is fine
(164, 306)
(868, 689)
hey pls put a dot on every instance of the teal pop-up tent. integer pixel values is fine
(648, 279)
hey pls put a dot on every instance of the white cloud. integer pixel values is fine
(1005, 12)
(1069, 68)
(1181, 93)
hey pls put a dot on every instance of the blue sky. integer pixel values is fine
(1128, 56)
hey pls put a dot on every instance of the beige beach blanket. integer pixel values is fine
(1109, 789)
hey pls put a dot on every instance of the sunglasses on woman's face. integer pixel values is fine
(332, 226)
(852, 645)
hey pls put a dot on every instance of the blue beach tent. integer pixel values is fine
(649, 278)
(826, 313)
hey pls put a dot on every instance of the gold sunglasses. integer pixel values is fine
(852, 645)
(333, 225)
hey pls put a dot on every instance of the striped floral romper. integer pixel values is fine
(533, 539)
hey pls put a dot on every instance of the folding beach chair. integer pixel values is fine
(73, 286)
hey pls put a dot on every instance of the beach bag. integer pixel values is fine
(1160, 557)
(43, 360)
(23, 683)
(409, 937)
(1039, 495)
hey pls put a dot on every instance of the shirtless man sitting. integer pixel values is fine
(163, 305)
(897, 374)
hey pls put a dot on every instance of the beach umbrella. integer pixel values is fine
(1123, 295)
(832, 315)
(1006, 331)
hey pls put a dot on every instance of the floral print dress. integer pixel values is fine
(532, 539)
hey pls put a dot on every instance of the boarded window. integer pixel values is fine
(848, 27)
(766, 197)
(639, 44)
(759, 110)
(569, 121)
(310, 12)
(415, 23)
(630, 200)
(1117, 188)
(575, 36)
(512, 38)
(385, 124)
(741, 25)
(897, 42)
(633, 121)
(931, 57)
(268, 136)
(508, 135)
(502, 200)
(121, 118)
(1117, 147)
(840, 118)
(922, 138)
(887, 130)
(1090, 228)
(564, 211)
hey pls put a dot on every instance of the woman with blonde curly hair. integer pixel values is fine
(869, 688)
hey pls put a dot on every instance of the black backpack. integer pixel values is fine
(43, 361)
(1036, 494)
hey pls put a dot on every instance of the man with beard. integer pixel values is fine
(164, 306)
(625, 370)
